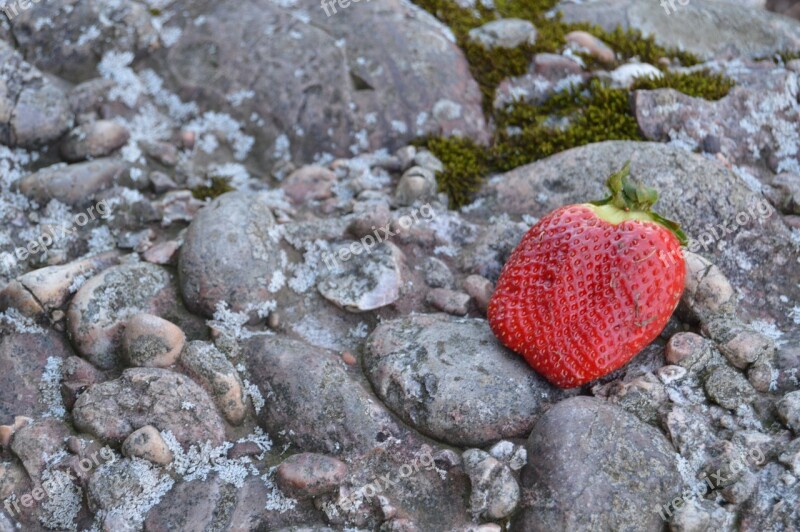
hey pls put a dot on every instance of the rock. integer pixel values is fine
(161, 182)
(27, 362)
(69, 49)
(189, 506)
(546, 74)
(34, 442)
(33, 111)
(452, 380)
(162, 152)
(368, 217)
(99, 311)
(728, 388)
(366, 280)
(644, 397)
(208, 366)
(703, 27)
(146, 443)
(625, 75)
(584, 457)
(77, 375)
(309, 183)
(437, 273)
(75, 184)
(310, 474)
(707, 293)
(301, 383)
(480, 289)
(448, 301)
(578, 175)
(688, 349)
(149, 396)
(419, 84)
(426, 159)
(93, 140)
(42, 291)
(504, 33)
(667, 114)
(231, 262)
(789, 411)
(700, 515)
(416, 184)
(150, 341)
(760, 512)
(746, 347)
(495, 492)
(514, 456)
(597, 48)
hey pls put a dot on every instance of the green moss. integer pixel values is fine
(590, 113)
(782, 57)
(700, 84)
(465, 165)
(218, 187)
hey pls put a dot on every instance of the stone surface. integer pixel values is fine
(703, 27)
(310, 474)
(451, 379)
(208, 366)
(149, 396)
(449, 301)
(584, 40)
(229, 254)
(592, 466)
(728, 388)
(25, 358)
(707, 292)
(150, 341)
(76, 184)
(93, 140)
(33, 111)
(365, 279)
(578, 175)
(789, 411)
(410, 80)
(504, 33)
(146, 443)
(495, 492)
(100, 309)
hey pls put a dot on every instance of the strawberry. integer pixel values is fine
(588, 286)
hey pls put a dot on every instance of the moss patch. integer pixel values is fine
(592, 112)
(218, 187)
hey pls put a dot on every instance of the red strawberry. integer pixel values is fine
(590, 285)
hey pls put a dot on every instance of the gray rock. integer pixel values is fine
(33, 111)
(480, 289)
(578, 175)
(68, 48)
(371, 93)
(546, 74)
(763, 138)
(437, 273)
(75, 184)
(728, 388)
(208, 366)
(93, 140)
(707, 292)
(99, 310)
(593, 466)
(369, 279)
(149, 396)
(449, 301)
(586, 41)
(789, 410)
(513, 455)
(701, 515)
(309, 183)
(416, 184)
(25, 358)
(624, 76)
(229, 254)
(504, 33)
(495, 492)
(451, 379)
(703, 27)
(760, 511)
(693, 352)
(37, 440)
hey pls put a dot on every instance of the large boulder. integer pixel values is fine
(372, 76)
(594, 466)
(703, 27)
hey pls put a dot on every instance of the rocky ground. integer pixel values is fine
(234, 294)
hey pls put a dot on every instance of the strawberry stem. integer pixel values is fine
(632, 197)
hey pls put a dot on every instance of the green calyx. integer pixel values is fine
(632, 201)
